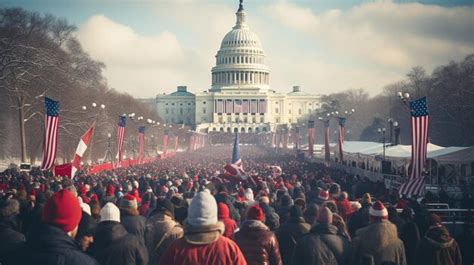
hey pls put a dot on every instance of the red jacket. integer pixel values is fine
(230, 224)
(223, 251)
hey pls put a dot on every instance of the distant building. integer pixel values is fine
(240, 98)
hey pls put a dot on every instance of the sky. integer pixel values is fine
(325, 46)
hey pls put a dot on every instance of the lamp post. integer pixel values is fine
(397, 133)
(382, 131)
(390, 123)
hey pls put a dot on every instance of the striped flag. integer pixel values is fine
(141, 142)
(81, 149)
(327, 152)
(120, 138)
(229, 106)
(262, 106)
(219, 106)
(253, 106)
(235, 168)
(311, 137)
(51, 125)
(342, 132)
(238, 106)
(419, 142)
(245, 106)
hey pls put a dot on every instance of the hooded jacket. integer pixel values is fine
(322, 245)
(288, 234)
(379, 240)
(438, 248)
(161, 229)
(258, 243)
(113, 245)
(224, 217)
(203, 245)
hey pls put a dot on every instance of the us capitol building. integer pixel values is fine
(240, 98)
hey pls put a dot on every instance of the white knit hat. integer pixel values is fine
(202, 210)
(110, 212)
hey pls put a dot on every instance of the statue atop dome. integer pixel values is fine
(241, 7)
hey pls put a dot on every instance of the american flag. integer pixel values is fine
(245, 106)
(81, 149)
(342, 132)
(327, 154)
(229, 106)
(253, 106)
(219, 106)
(235, 167)
(238, 106)
(51, 125)
(311, 137)
(141, 142)
(120, 137)
(262, 106)
(419, 142)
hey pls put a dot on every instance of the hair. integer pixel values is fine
(9, 207)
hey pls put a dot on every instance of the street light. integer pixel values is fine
(382, 131)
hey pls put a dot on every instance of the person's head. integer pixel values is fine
(378, 212)
(296, 212)
(9, 207)
(366, 200)
(325, 216)
(255, 213)
(223, 210)
(165, 207)
(344, 196)
(433, 219)
(203, 210)
(110, 212)
(129, 205)
(62, 210)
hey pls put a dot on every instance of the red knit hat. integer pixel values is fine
(222, 210)
(323, 195)
(255, 213)
(94, 197)
(325, 216)
(62, 210)
(128, 201)
(378, 211)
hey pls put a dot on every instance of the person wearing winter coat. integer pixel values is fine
(410, 235)
(379, 239)
(360, 218)
(161, 230)
(223, 196)
(203, 242)
(52, 241)
(223, 215)
(437, 247)
(322, 245)
(344, 206)
(11, 238)
(130, 217)
(290, 232)
(113, 245)
(272, 220)
(257, 242)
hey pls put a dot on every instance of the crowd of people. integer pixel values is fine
(187, 210)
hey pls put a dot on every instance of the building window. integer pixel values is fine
(277, 120)
(289, 120)
(261, 119)
(189, 110)
(289, 111)
(204, 110)
(172, 104)
(276, 110)
(167, 111)
(204, 102)
(172, 111)
(229, 119)
(181, 111)
(299, 111)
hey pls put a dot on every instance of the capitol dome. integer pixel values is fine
(240, 61)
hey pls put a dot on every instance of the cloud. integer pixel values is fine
(396, 36)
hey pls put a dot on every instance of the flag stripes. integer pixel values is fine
(311, 137)
(342, 132)
(419, 139)
(51, 125)
(120, 138)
